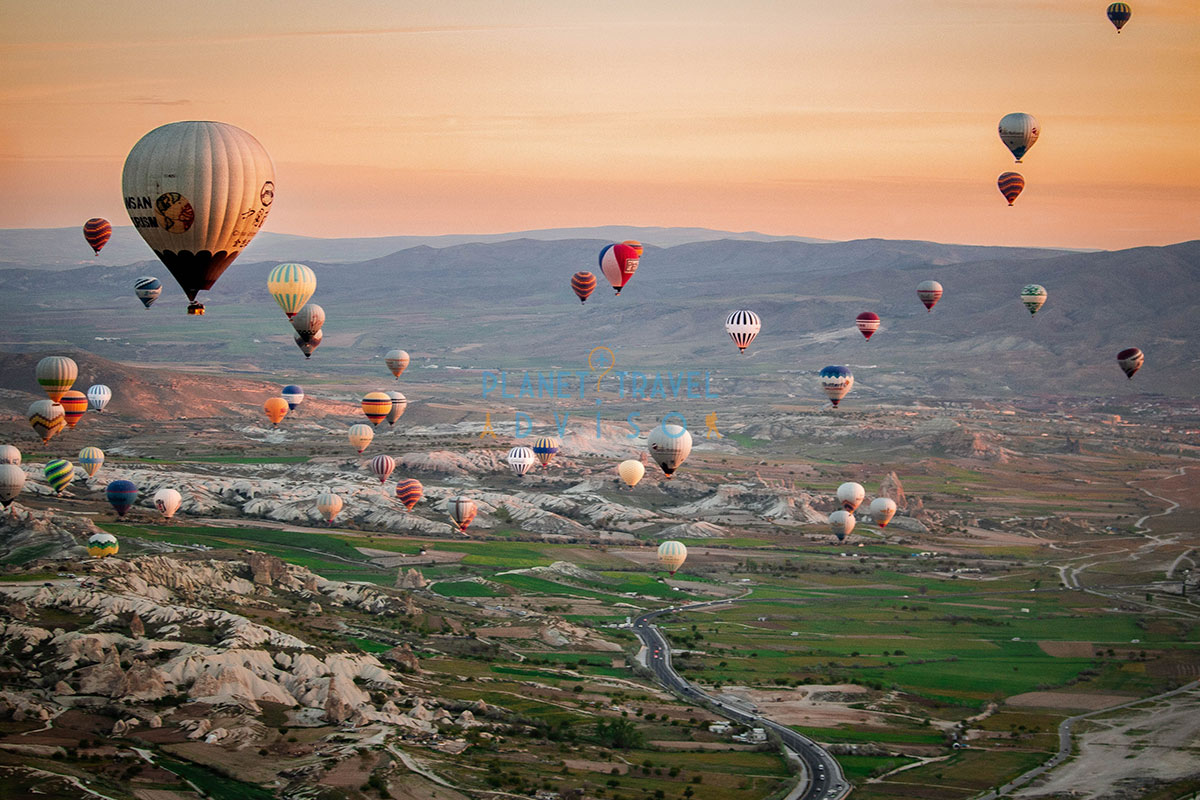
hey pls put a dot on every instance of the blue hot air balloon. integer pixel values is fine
(121, 495)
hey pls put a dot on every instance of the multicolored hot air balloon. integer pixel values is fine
(1019, 131)
(74, 403)
(636, 245)
(850, 495)
(56, 374)
(276, 409)
(631, 471)
(59, 473)
(672, 554)
(376, 406)
(929, 292)
(12, 481)
(147, 289)
(868, 323)
(10, 455)
(462, 512)
(307, 346)
(618, 262)
(1130, 359)
(121, 495)
(97, 231)
(102, 545)
(308, 321)
(399, 404)
(882, 510)
(520, 459)
(98, 396)
(743, 327)
(1033, 296)
(669, 445)
(382, 467)
(583, 284)
(1010, 185)
(292, 285)
(198, 192)
(544, 447)
(293, 394)
(841, 523)
(837, 383)
(329, 505)
(397, 361)
(360, 436)
(167, 501)
(1119, 14)
(47, 418)
(409, 492)
(91, 459)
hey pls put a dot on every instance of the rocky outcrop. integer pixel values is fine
(412, 579)
(891, 487)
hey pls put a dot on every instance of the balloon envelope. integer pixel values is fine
(97, 231)
(307, 346)
(102, 545)
(841, 523)
(868, 323)
(851, 495)
(276, 409)
(631, 471)
(10, 455)
(399, 405)
(59, 473)
(836, 382)
(291, 285)
(1033, 296)
(409, 492)
(672, 554)
(1119, 14)
(293, 394)
(382, 466)
(1019, 131)
(329, 504)
(148, 289)
(520, 459)
(91, 459)
(121, 495)
(544, 448)
(47, 418)
(167, 501)
(743, 326)
(882, 510)
(376, 406)
(56, 374)
(98, 396)
(618, 262)
(669, 445)
(1010, 184)
(929, 292)
(462, 511)
(360, 436)
(397, 361)
(12, 480)
(583, 284)
(1131, 360)
(308, 320)
(74, 403)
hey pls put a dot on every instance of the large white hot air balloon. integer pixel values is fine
(167, 501)
(669, 446)
(1019, 131)
(882, 510)
(743, 326)
(672, 554)
(520, 459)
(850, 495)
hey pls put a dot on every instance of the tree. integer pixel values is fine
(622, 734)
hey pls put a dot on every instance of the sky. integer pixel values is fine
(838, 120)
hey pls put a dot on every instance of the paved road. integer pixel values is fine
(822, 777)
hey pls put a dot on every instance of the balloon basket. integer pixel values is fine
(195, 309)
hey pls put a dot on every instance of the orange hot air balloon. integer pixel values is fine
(636, 245)
(277, 409)
(1010, 185)
(583, 284)
(74, 403)
(376, 405)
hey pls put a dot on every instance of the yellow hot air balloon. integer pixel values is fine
(56, 374)
(671, 555)
(102, 545)
(329, 504)
(360, 436)
(291, 285)
(377, 406)
(47, 418)
(91, 459)
(276, 409)
(631, 471)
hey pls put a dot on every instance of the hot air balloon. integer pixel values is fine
(74, 403)
(167, 501)
(520, 459)
(631, 471)
(47, 418)
(409, 492)
(1119, 14)
(376, 406)
(462, 512)
(742, 327)
(1018, 132)
(841, 522)
(1033, 296)
(636, 245)
(583, 284)
(97, 230)
(671, 555)
(544, 447)
(1130, 359)
(308, 321)
(360, 436)
(121, 495)
(198, 192)
(882, 510)
(276, 409)
(59, 473)
(618, 262)
(102, 545)
(291, 285)
(669, 446)
(98, 396)
(929, 292)
(10, 455)
(56, 374)
(399, 404)
(330, 505)
(293, 394)
(382, 466)
(1010, 185)
(837, 383)
(307, 346)
(148, 289)
(91, 459)
(12, 480)
(868, 323)
(397, 361)
(851, 495)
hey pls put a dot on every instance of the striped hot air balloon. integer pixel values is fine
(545, 447)
(74, 403)
(1019, 131)
(102, 545)
(409, 492)
(10, 455)
(292, 285)
(56, 374)
(836, 382)
(293, 394)
(91, 459)
(1010, 185)
(382, 466)
(929, 292)
(98, 396)
(868, 323)
(636, 245)
(618, 262)
(47, 419)
(148, 289)
(1034, 297)
(462, 512)
(376, 406)
(121, 495)
(520, 459)
(1119, 14)
(583, 284)
(672, 554)
(743, 327)
(59, 473)
(360, 436)
(397, 361)
(97, 231)
(399, 405)
(329, 505)
(12, 481)
(1130, 359)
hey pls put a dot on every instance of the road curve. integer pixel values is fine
(822, 777)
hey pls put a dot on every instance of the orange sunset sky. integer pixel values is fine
(836, 119)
